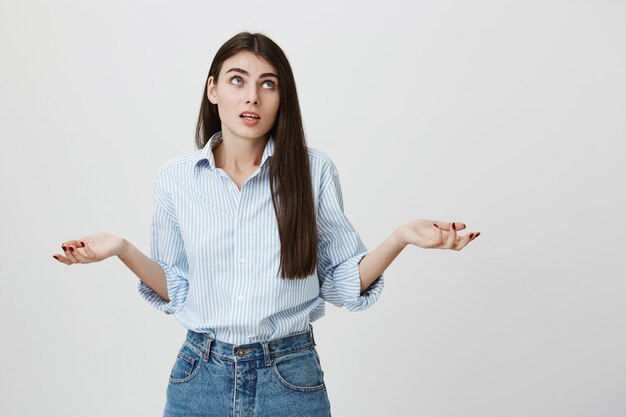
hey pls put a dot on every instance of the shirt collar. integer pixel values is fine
(206, 153)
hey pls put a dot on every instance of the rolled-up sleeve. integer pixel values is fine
(340, 251)
(167, 249)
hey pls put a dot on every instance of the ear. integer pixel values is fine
(210, 91)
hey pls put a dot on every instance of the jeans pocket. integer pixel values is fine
(299, 371)
(188, 363)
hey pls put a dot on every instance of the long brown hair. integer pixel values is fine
(290, 177)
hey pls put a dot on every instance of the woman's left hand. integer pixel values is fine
(434, 234)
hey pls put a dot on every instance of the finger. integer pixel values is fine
(448, 225)
(61, 259)
(457, 226)
(451, 236)
(463, 241)
(89, 253)
(70, 253)
(80, 255)
(74, 242)
(438, 234)
(66, 252)
(467, 239)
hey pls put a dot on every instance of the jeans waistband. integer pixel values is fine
(266, 350)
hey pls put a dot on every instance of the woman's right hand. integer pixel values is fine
(92, 248)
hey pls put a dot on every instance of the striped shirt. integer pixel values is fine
(220, 249)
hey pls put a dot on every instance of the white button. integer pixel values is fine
(243, 221)
(240, 297)
(242, 260)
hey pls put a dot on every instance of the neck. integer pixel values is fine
(237, 154)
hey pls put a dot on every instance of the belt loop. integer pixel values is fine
(266, 353)
(206, 354)
(311, 331)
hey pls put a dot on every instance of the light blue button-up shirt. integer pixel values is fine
(220, 250)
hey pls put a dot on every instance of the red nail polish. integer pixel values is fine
(64, 248)
(435, 225)
(453, 226)
(471, 235)
(477, 234)
(72, 249)
(83, 244)
(55, 257)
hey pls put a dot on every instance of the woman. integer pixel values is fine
(248, 242)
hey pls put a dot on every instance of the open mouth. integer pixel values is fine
(249, 116)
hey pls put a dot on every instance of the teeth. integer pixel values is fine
(249, 115)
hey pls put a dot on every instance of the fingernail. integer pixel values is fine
(435, 225)
(55, 257)
(471, 235)
(72, 249)
(83, 244)
(477, 234)
(453, 226)
(64, 248)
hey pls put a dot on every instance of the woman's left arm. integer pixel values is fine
(427, 234)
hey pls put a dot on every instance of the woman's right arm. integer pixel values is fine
(95, 248)
(163, 276)
(146, 269)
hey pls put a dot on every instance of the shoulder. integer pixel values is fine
(321, 162)
(179, 165)
(175, 170)
(323, 170)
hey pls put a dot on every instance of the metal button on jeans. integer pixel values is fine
(241, 352)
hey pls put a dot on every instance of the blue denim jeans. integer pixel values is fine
(280, 377)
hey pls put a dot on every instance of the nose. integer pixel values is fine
(253, 96)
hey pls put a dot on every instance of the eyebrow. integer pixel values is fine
(244, 72)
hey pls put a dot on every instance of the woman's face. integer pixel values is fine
(245, 83)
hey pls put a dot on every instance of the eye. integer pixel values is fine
(271, 82)
(235, 77)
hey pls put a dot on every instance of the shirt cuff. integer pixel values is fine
(348, 278)
(154, 299)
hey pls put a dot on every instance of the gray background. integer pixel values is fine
(507, 116)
